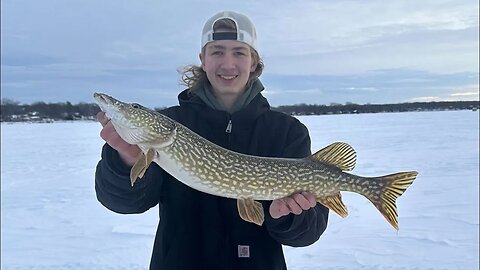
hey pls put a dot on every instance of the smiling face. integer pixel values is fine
(228, 64)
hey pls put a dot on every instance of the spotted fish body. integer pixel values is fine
(209, 168)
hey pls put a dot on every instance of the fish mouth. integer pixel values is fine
(128, 130)
(110, 106)
(103, 99)
(105, 102)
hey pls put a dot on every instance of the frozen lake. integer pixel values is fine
(50, 217)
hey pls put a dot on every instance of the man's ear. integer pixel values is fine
(254, 66)
(201, 60)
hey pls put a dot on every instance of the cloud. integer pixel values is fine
(424, 99)
(349, 37)
(362, 89)
(28, 59)
(314, 51)
(292, 91)
(469, 92)
(468, 95)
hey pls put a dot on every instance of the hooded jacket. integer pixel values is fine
(201, 231)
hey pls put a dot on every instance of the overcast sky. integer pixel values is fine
(315, 52)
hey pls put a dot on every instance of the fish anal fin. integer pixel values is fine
(140, 167)
(339, 154)
(251, 211)
(334, 202)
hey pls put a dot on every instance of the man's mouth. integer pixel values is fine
(228, 77)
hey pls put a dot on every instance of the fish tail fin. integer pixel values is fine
(396, 184)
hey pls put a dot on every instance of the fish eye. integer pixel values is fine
(135, 105)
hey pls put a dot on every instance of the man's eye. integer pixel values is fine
(216, 53)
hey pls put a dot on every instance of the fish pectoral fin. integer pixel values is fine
(137, 169)
(339, 154)
(251, 211)
(140, 167)
(334, 202)
(151, 153)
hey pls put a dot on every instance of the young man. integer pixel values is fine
(224, 105)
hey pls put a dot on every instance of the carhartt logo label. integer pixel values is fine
(243, 251)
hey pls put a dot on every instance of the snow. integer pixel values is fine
(52, 220)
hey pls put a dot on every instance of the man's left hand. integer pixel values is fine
(295, 203)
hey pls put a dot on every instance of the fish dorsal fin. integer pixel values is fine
(339, 154)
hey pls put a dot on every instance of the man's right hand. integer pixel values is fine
(128, 153)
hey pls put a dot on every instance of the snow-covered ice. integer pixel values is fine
(50, 217)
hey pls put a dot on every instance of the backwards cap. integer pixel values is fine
(245, 29)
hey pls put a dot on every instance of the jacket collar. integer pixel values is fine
(205, 93)
(254, 105)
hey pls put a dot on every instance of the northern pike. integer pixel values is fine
(209, 168)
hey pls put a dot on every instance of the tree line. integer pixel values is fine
(352, 108)
(13, 111)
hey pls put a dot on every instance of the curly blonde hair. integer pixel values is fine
(193, 76)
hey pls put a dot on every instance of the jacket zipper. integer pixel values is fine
(228, 131)
(229, 127)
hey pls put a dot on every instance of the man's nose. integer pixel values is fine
(228, 61)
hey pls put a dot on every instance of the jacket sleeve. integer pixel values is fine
(114, 190)
(306, 228)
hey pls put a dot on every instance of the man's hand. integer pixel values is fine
(128, 153)
(295, 203)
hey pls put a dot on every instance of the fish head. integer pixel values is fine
(137, 124)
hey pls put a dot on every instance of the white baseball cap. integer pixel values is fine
(245, 29)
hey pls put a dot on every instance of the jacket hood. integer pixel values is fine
(253, 103)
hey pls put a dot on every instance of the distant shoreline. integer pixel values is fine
(351, 108)
(41, 112)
